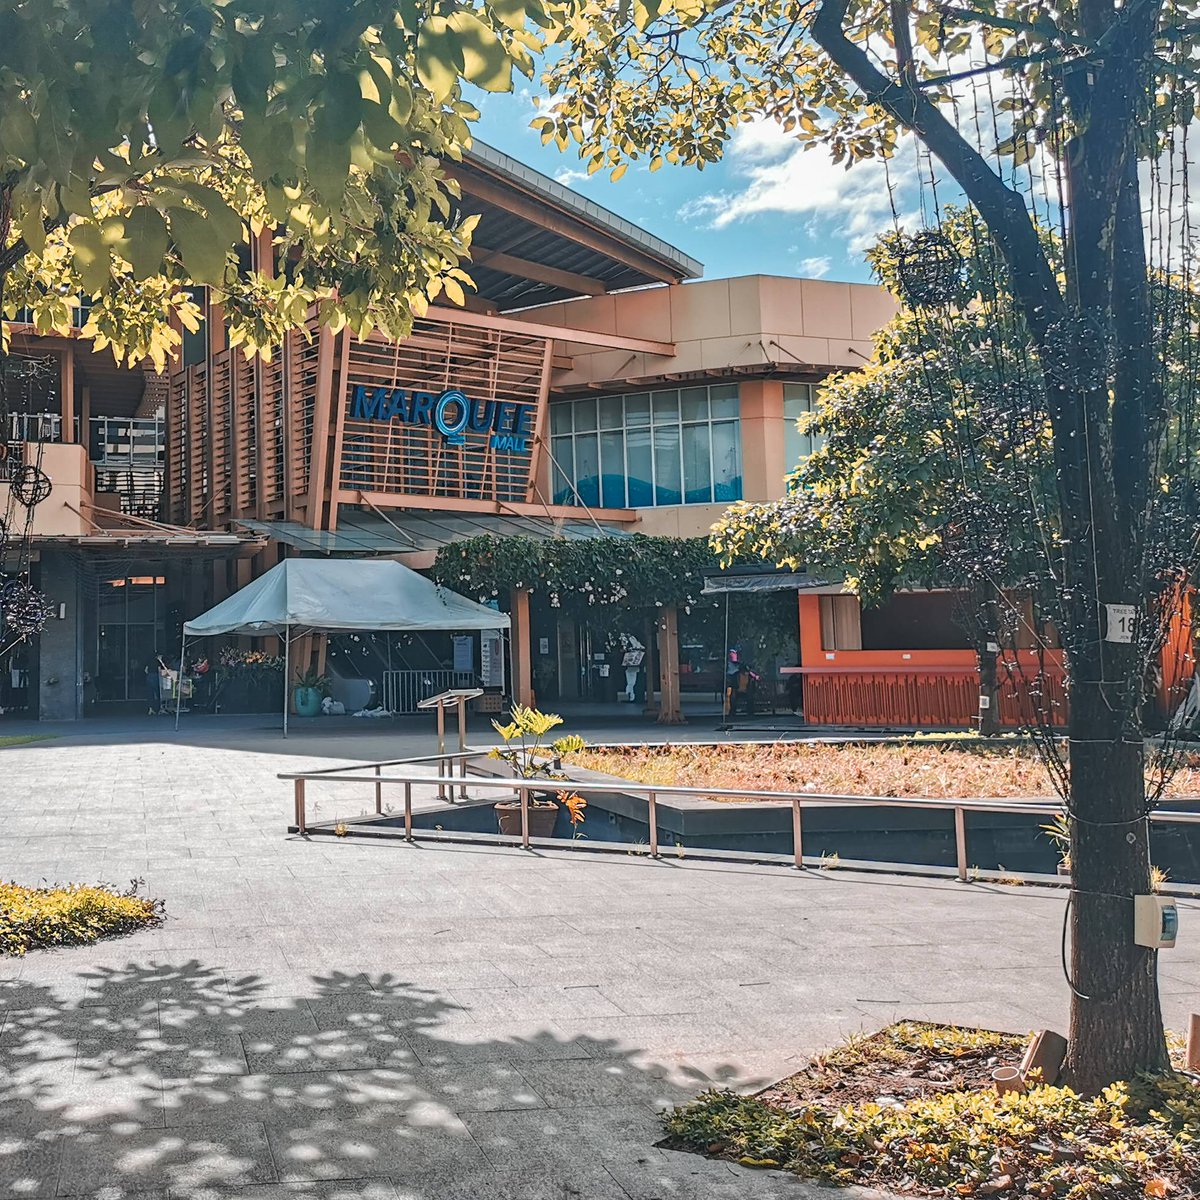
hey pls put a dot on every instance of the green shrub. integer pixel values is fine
(1132, 1141)
(71, 915)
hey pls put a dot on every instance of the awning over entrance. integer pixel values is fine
(755, 579)
(409, 531)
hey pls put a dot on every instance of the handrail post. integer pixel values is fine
(797, 834)
(378, 791)
(524, 818)
(960, 843)
(653, 802)
(301, 824)
(408, 837)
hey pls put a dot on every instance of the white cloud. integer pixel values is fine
(776, 174)
(816, 267)
(568, 176)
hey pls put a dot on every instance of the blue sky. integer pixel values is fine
(770, 207)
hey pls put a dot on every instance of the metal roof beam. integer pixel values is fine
(498, 260)
(574, 228)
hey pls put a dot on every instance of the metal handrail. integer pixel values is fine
(653, 792)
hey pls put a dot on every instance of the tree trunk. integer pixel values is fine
(989, 714)
(1116, 1020)
(1104, 450)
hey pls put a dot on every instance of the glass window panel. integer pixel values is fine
(141, 600)
(610, 412)
(727, 461)
(637, 409)
(697, 468)
(666, 406)
(693, 404)
(111, 601)
(638, 467)
(585, 414)
(612, 470)
(111, 666)
(723, 399)
(667, 484)
(562, 470)
(587, 468)
(560, 418)
(797, 401)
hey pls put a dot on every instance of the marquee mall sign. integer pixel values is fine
(508, 425)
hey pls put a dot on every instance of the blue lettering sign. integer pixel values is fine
(508, 424)
(451, 414)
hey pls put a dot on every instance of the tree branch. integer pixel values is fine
(1003, 209)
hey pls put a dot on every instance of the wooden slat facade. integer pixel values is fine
(277, 439)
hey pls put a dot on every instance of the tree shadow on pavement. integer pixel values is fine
(188, 1081)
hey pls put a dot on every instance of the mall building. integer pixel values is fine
(593, 386)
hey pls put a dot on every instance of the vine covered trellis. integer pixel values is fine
(621, 575)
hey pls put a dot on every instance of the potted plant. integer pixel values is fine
(308, 693)
(1059, 832)
(527, 753)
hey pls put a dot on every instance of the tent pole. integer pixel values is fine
(509, 682)
(179, 679)
(287, 641)
(725, 697)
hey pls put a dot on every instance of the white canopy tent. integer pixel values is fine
(305, 595)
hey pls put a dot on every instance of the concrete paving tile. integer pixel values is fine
(224, 1099)
(531, 1182)
(29, 1160)
(553, 1138)
(326, 1051)
(490, 1004)
(212, 1155)
(495, 1041)
(465, 1087)
(338, 1189)
(429, 1140)
(607, 1037)
(596, 1082)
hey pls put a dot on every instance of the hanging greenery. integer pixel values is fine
(634, 574)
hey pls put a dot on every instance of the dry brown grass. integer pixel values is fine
(937, 772)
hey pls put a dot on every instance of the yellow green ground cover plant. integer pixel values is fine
(937, 771)
(911, 1109)
(70, 915)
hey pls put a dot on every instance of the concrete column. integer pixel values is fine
(60, 649)
(522, 648)
(671, 710)
(762, 432)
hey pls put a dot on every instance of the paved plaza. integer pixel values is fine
(389, 1022)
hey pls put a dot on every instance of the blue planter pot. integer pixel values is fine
(307, 702)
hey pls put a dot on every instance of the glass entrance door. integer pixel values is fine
(131, 629)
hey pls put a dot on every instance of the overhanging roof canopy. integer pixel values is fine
(540, 242)
(323, 595)
(759, 579)
(405, 531)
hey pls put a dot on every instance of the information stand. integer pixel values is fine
(455, 697)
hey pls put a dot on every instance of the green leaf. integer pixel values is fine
(439, 57)
(485, 61)
(327, 160)
(145, 241)
(203, 250)
(511, 12)
(32, 229)
(91, 257)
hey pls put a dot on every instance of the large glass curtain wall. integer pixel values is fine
(676, 446)
(798, 400)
